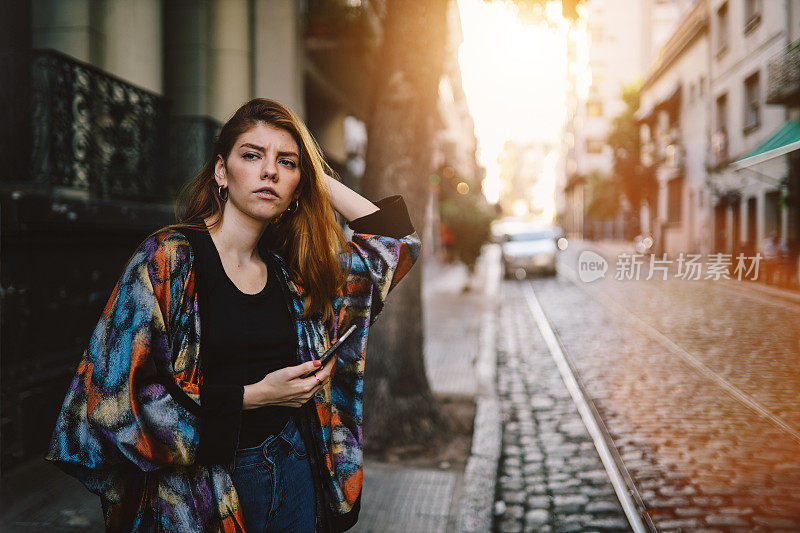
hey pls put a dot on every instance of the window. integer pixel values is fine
(722, 28)
(772, 212)
(719, 139)
(722, 113)
(594, 146)
(752, 14)
(674, 197)
(752, 102)
(594, 108)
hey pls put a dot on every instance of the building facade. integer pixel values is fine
(720, 120)
(746, 35)
(674, 136)
(621, 38)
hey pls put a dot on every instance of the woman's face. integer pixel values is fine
(262, 173)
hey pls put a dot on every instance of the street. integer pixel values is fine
(695, 382)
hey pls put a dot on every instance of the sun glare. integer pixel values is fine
(514, 78)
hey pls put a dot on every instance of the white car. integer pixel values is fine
(530, 248)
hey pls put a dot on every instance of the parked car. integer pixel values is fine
(530, 248)
(501, 228)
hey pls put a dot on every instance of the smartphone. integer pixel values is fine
(331, 352)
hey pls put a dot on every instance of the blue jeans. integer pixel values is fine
(273, 481)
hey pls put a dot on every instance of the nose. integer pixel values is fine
(271, 171)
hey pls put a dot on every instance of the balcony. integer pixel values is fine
(784, 77)
(718, 157)
(674, 157)
(86, 133)
(76, 131)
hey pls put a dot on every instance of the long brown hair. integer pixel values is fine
(309, 238)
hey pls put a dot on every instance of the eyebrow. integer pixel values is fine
(262, 150)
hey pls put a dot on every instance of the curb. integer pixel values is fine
(480, 475)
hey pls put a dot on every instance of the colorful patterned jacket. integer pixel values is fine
(139, 428)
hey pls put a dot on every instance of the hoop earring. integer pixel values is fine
(219, 191)
(291, 209)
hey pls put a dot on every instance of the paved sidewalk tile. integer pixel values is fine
(404, 500)
(452, 325)
(39, 497)
(407, 500)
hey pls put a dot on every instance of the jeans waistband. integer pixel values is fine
(288, 427)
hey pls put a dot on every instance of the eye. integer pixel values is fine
(289, 163)
(248, 158)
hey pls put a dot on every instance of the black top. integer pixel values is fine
(247, 336)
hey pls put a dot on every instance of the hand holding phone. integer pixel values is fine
(331, 352)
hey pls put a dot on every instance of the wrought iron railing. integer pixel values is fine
(93, 132)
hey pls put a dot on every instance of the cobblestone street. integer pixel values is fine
(551, 478)
(696, 383)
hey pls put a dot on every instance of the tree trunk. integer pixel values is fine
(399, 406)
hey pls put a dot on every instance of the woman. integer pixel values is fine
(193, 408)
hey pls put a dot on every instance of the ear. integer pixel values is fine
(219, 172)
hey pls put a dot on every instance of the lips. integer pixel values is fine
(266, 193)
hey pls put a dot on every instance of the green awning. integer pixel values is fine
(786, 139)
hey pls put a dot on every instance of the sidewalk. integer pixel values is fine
(38, 497)
(457, 345)
(459, 359)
